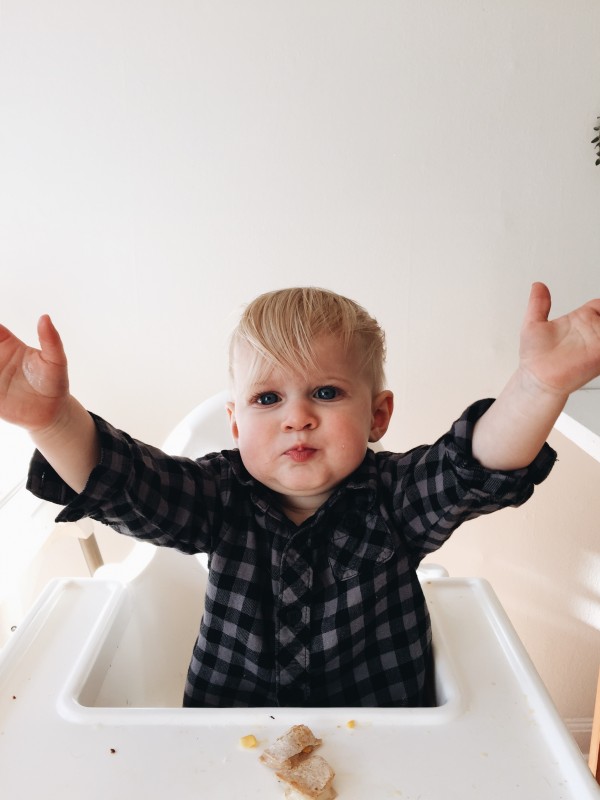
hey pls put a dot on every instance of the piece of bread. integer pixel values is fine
(309, 779)
(290, 748)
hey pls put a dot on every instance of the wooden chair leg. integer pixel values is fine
(594, 759)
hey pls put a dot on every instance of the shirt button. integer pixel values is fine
(290, 615)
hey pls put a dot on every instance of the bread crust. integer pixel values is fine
(290, 748)
(306, 774)
(312, 777)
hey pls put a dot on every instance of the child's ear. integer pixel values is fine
(382, 409)
(232, 420)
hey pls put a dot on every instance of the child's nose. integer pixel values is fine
(300, 416)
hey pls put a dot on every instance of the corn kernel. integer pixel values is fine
(351, 723)
(248, 741)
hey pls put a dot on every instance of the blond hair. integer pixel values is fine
(281, 327)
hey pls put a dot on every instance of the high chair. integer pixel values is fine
(91, 686)
(204, 430)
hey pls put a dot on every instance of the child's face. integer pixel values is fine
(301, 435)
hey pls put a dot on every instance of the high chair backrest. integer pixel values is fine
(204, 430)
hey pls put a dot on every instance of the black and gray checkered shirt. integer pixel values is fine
(328, 613)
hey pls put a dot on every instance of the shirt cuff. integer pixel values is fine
(492, 482)
(107, 478)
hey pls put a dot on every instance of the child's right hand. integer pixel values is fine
(34, 384)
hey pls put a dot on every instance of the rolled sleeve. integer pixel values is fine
(444, 485)
(106, 479)
(514, 486)
(140, 491)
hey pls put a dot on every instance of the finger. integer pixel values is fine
(538, 307)
(50, 342)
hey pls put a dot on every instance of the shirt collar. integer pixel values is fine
(362, 483)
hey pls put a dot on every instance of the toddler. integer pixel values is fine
(313, 539)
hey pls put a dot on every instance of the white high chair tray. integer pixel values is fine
(495, 735)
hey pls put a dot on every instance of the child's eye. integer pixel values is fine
(267, 399)
(327, 393)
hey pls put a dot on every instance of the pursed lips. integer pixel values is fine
(300, 452)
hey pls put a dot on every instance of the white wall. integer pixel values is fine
(163, 162)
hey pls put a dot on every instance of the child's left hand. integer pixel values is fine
(556, 357)
(563, 354)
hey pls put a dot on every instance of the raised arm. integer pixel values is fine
(34, 394)
(556, 358)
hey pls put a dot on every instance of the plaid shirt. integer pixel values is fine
(328, 613)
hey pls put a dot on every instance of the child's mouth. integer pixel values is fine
(300, 453)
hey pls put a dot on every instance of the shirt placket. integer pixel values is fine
(293, 624)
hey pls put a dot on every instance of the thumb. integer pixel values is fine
(50, 342)
(538, 307)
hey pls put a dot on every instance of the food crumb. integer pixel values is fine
(351, 723)
(248, 741)
(112, 751)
